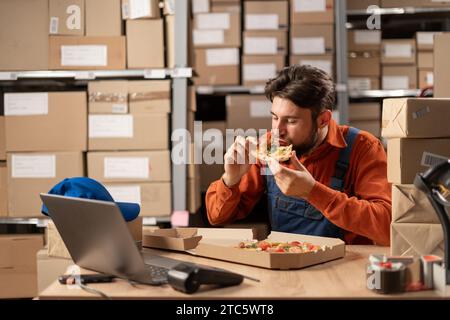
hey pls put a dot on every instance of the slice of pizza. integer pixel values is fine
(263, 152)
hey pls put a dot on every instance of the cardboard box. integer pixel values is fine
(87, 53)
(324, 62)
(145, 44)
(108, 96)
(57, 248)
(272, 42)
(128, 132)
(371, 126)
(225, 6)
(140, 9)
(32, 173)
(2, 138)
(3, 190)
(361, 4)
(149, 96)
(194, 194)
(103, 18)
(314, 39)
(416, 118)
(425, 78)
(24, 35)
(407, 157)
(170, 42)
(441, 65)
(218, 66)
(364, 111)
(398, 51)
(155, 198)
(222, 244)
(425, 60)
(425, 40)
(265, 15)
(312, 12)
(417, 239)
(410, 205)
(257, 70)
(363, 83)
(248, 112)
(18, 274)
(364, 40)
(413, 3)
(180, 239)
(49, 269)
(44, 121)
(67, 17)
(364, 65)
(398, 77)
(123, 166)
(217, 30)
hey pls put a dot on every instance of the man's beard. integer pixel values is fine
(307, 146)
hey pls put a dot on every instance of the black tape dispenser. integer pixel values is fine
(187, 277)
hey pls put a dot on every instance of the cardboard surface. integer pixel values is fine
(172, 239)
(279, 37)
(108, 96)
(140, 10)
(149, 96)
(257, 70)
(216, 71)
(364, 40)
(398, 51)
(3, 189)
(441, 65)
(401, 77)
(103, 18)
(416, 118)
(364, 111)
(416, 239)
(2, 138)
(273, 8)
(67, 17)
(324, 62)
(410, 205)
(49, 269)
(62, 128)
(248, 112)
(207, 34)
(323, 32)
(364, 65)
(300, 16)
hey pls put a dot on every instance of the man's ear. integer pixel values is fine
(324, 118)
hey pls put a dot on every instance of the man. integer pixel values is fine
(335, 183)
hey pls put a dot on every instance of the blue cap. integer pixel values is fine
(87, 188)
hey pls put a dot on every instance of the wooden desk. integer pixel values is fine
(342, 278)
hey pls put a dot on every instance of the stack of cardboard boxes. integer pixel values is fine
(45, 140)
(424, 43)
(265, 40)
(129, 142)
(312, 34)
(398, 59)
(418, 138)
(216, 36)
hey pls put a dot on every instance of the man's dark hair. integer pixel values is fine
(306, 86)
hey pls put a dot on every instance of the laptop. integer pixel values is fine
(97, 238)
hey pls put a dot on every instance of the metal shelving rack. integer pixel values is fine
(179, 75)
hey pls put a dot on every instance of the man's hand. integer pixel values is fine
(296, 182)
(237, 160)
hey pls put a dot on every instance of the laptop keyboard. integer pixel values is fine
(157, 272)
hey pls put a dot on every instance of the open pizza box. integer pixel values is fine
(180, 239)
(222, 244)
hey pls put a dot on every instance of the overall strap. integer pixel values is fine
(337, 181)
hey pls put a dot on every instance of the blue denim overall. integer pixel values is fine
(295, 215)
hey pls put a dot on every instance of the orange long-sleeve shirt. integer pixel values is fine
(363, 210)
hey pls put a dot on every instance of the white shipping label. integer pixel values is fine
(200, 6)
(119, 108)
(259, 71)
(324, 65)
(26, 104)
(367, 37)
(213, 21)
(310, 45)
(426, 37)
(261, 22)
(54, 24)
(33, 166)
(403, 50)
(126, 167)
(125, 193)
(359, 84)
(309, 5)
(395, 82)
(260, 45)
(222, 57)
(260, 109)
(208, 37)
(110, 126)
(84, 55)
(430, 159)
(430, 78)
(139, 9)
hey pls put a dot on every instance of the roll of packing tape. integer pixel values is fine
(386, 277)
